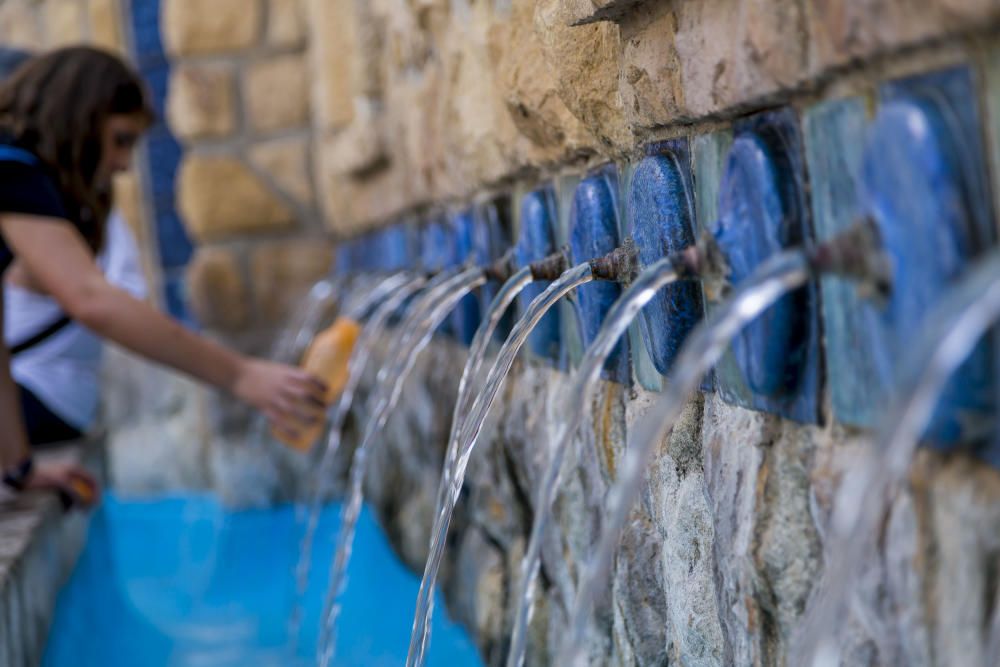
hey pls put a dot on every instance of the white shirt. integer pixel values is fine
(63, 371)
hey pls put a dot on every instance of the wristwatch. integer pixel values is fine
(18, 476)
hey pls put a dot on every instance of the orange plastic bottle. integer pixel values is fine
(327, 358)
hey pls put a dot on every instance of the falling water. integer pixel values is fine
(574, 277)
(706, 343)
(360, 356)
(621, 315)
(416, 331)
(954, 329)
(473, 366)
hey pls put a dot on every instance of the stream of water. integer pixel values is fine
(954, 329)
(415, 333)
(574, 403)
(769, 282)
(469, 434)
(322, 478)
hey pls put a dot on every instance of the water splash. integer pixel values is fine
(415, 332)
(469, 433)
(955, 328)
(618, 319)
(356, 365)
(705, 345)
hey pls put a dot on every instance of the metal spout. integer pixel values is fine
(621, 265)
(856, 253)
(502, 269)
(551, 267)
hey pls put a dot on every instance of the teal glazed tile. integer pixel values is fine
(708, 156)
(834, 141)
(923, 183)
(571, 338)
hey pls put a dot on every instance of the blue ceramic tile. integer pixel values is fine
(436, 249)
(762, 212)
(145, 24)
(172, 241)
(344, 258)
(396, 248)
(174, 297)
(922, 182)
(594, 233)
(162, 152)
(465, 318)
(491, 240)
(661, 212)
(537, 241)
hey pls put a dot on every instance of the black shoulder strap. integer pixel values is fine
(41, 336)
(15, 154)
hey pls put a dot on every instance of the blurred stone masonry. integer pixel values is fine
(311, 121)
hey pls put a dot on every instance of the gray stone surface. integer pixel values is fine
(39, 545)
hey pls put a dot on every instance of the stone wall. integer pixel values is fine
(428, 105)
(332, 118)
(239, 101)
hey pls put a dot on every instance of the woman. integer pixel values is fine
(68, 122)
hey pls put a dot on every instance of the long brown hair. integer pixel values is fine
(56, 105)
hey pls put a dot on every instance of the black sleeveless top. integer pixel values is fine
(26, 186)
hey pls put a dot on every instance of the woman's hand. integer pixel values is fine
(289, 397)
(72, 482)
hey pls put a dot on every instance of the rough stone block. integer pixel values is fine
(352, 205)
(286, 162)
(360, 146)
(286, 27)
(528, 88)
(65, 22)
(20, 24)
(481, 143)
(585, 62)
(846, 30)
(651, 76)
(200, 102)
(216, 290)
(281, 273)
(733, 54)
(189, 28)
(579, 12)
(344, 52)
(277, 93)
(221, 197)
(105, 24)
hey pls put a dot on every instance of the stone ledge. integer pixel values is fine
(39, 546)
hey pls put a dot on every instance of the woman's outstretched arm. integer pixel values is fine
(58, 259)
